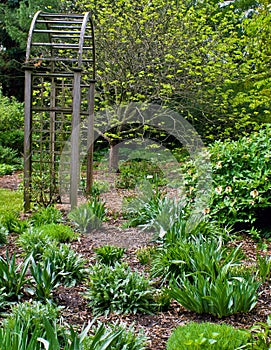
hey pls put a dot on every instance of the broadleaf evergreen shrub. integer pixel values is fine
(241, 173)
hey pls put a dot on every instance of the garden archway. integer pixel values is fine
(59, 94)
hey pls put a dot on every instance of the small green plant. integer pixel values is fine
(9, 156)
(133, 171)
(45, 216)
(223, 296)
(34, 242)
(3, 235)
(59, 232)
(45, 279)
(69, 266)
(109, 254)
(261, 333)
(145, 254)
(12, 276)
(195, 253)
(118, 336)
(118, 289)
(264, 267)
(88, 216)
(208, 336)
(6, 169)
(30, 315)
(10, 201)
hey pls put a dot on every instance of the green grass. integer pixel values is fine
(10, 201)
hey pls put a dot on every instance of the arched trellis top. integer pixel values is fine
(62, 41)
(59, 96)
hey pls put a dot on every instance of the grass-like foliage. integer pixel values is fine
(69, 266)
(29, 315)
(208, 336)
(223, 296)
(195, 253)
(12, 277)
(88, 216)
(45, 216)
(10, 201)
(109, 254)
(153, 210)
(45, 279)
(3, 235)
(34, 242)
(120, 337)
(120, 290)
(59, 232)
(264, 267)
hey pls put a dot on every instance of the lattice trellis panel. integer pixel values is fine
(59, 96)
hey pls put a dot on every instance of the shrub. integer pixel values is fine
(108, 254)
(88, 216)
(9, 156)
(68, 265)
(6, 169)
(208, 336)
(241, 172)
(118, 289)
(59, 232)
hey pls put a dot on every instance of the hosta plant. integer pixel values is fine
(119, 289)
(208, 336)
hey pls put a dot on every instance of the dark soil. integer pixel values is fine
(157, 327)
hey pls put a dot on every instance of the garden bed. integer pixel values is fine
(158, 326)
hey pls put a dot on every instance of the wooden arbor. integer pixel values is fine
(59, 96)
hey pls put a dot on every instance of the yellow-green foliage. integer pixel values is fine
(10, 201)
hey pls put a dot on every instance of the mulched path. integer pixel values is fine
(157, 327)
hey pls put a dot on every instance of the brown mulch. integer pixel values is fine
(157, 327)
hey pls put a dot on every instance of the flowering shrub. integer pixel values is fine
(241, 173)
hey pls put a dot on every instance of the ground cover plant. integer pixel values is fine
(178, 270)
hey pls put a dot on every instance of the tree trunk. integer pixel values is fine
(113, 157)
